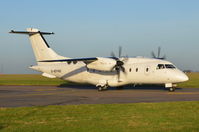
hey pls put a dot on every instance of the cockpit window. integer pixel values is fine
(169, 66)
(160, 66)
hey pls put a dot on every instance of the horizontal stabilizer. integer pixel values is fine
(31, 32)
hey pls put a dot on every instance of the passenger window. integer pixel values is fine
(130, 70)
(136, 69)
(160, 66)
(147, 69)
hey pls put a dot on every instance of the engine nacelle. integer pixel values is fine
(102, 64)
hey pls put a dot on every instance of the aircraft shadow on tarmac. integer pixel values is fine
(127, 87)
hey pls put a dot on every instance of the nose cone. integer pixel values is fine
(181, 77)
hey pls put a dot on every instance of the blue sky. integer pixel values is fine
(87, 28)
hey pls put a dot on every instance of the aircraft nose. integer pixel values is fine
(182, 77)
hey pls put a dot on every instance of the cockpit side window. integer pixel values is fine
(169, 66)
(160, 66)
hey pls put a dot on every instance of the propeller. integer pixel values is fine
(158, 54)
(119, 62)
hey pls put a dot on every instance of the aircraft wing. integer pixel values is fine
(85, 60)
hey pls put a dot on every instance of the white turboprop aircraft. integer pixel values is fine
(102, 71)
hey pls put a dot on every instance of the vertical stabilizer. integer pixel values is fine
(40, 47)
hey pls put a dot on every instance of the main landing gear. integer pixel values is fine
(102, 88)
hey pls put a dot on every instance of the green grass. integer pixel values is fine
(193, 81)
(138, 117)
(36, 79)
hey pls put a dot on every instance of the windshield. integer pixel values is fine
(163, 66)
(169, 66)
(160, 66)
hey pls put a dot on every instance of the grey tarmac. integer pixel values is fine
(21, 96)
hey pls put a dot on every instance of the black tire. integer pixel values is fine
(171, 89)
(100, 88)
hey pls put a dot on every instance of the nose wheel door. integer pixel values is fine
(170, 86)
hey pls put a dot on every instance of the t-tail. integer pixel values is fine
(41, 49)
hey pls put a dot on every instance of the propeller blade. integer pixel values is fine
(125, 59)
(120, 51)
(118, 67)
(112, 69)
(123, 69)
(119, 63)
(153, 54)
(159, 50)
(118, 75)
(164, 57)
(158, 54)
(113, 54)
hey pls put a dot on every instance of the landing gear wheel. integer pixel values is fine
(171, 89)
(100, 88)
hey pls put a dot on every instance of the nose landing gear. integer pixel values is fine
(170, 86)
(171, 89)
